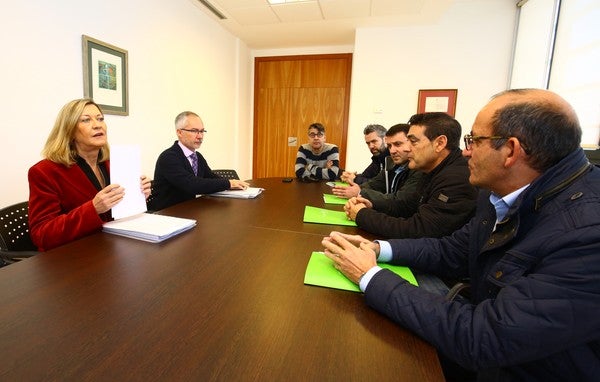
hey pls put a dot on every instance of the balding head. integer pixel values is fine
(539, 96)
(545, 124)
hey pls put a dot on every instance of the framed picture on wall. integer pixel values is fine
(105, 75)
(431, 100)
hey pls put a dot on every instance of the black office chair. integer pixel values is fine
(227, 174)
(593, 156)
(15, 242)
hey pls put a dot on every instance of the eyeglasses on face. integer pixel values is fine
(313, 135)
(195, 131)
(470, 139)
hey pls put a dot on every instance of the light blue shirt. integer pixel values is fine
(502, 205)
(397, 172)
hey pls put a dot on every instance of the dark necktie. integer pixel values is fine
(194, 159)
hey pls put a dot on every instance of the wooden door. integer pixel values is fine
(290, 93)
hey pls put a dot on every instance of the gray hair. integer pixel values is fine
(380, 130)
(181, 119)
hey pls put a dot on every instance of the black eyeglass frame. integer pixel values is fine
(194, 131)
(470, 139)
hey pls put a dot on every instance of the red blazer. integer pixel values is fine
(60, 204)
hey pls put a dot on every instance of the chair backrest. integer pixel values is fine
(227, 174)
(14, 228)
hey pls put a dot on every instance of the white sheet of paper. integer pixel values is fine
(125, 170)
(436, 104)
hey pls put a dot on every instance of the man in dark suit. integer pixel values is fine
(181, 172)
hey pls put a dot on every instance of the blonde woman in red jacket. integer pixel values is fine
(70, 194)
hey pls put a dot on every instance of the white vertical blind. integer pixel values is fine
(562, 57)
(575, 72)
(533, 47)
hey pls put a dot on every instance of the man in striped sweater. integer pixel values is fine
(317, 160)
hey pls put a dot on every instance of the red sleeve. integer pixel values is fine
(60, 205)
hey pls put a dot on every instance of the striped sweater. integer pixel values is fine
(313, 165)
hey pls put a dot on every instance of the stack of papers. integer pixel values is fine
(130, 217)
(149, 227)
(125, 170)
(325, 216)
(248, 193)
(321, 272)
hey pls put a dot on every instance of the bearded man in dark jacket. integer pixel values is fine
(532, 253)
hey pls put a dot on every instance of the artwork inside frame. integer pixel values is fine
(432, 100)
(105, 75)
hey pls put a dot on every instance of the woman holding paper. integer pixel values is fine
(70, 194)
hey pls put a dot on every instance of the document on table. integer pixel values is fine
(332, 199)
(149, 227)
(248, 193)
(125, 170)
(325, 216)
(321, 272)
(131, 219)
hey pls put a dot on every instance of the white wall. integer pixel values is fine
(469, 50)
(179, 59)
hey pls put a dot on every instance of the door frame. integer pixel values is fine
(346, 107)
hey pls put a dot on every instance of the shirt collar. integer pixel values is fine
(187, 152)
(503, 204)
(401, 167)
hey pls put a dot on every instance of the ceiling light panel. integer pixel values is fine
(254, 16)
(298, 12)
(248, 12)
(397, 7)
(343, 9)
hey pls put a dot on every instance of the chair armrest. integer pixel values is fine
(14, 256)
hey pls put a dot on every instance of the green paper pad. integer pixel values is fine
(325, 216)
(332, 199)
(321, 272)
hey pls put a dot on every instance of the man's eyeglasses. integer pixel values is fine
(195, 131)
(470, 139)
(313, 135)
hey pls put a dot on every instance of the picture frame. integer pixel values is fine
(105, 75)
(432, 100)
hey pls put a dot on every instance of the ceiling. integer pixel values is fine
(316, 22)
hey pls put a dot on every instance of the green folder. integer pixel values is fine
(341, 184)
(332, 199)
(325, 216)
(321, 272)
